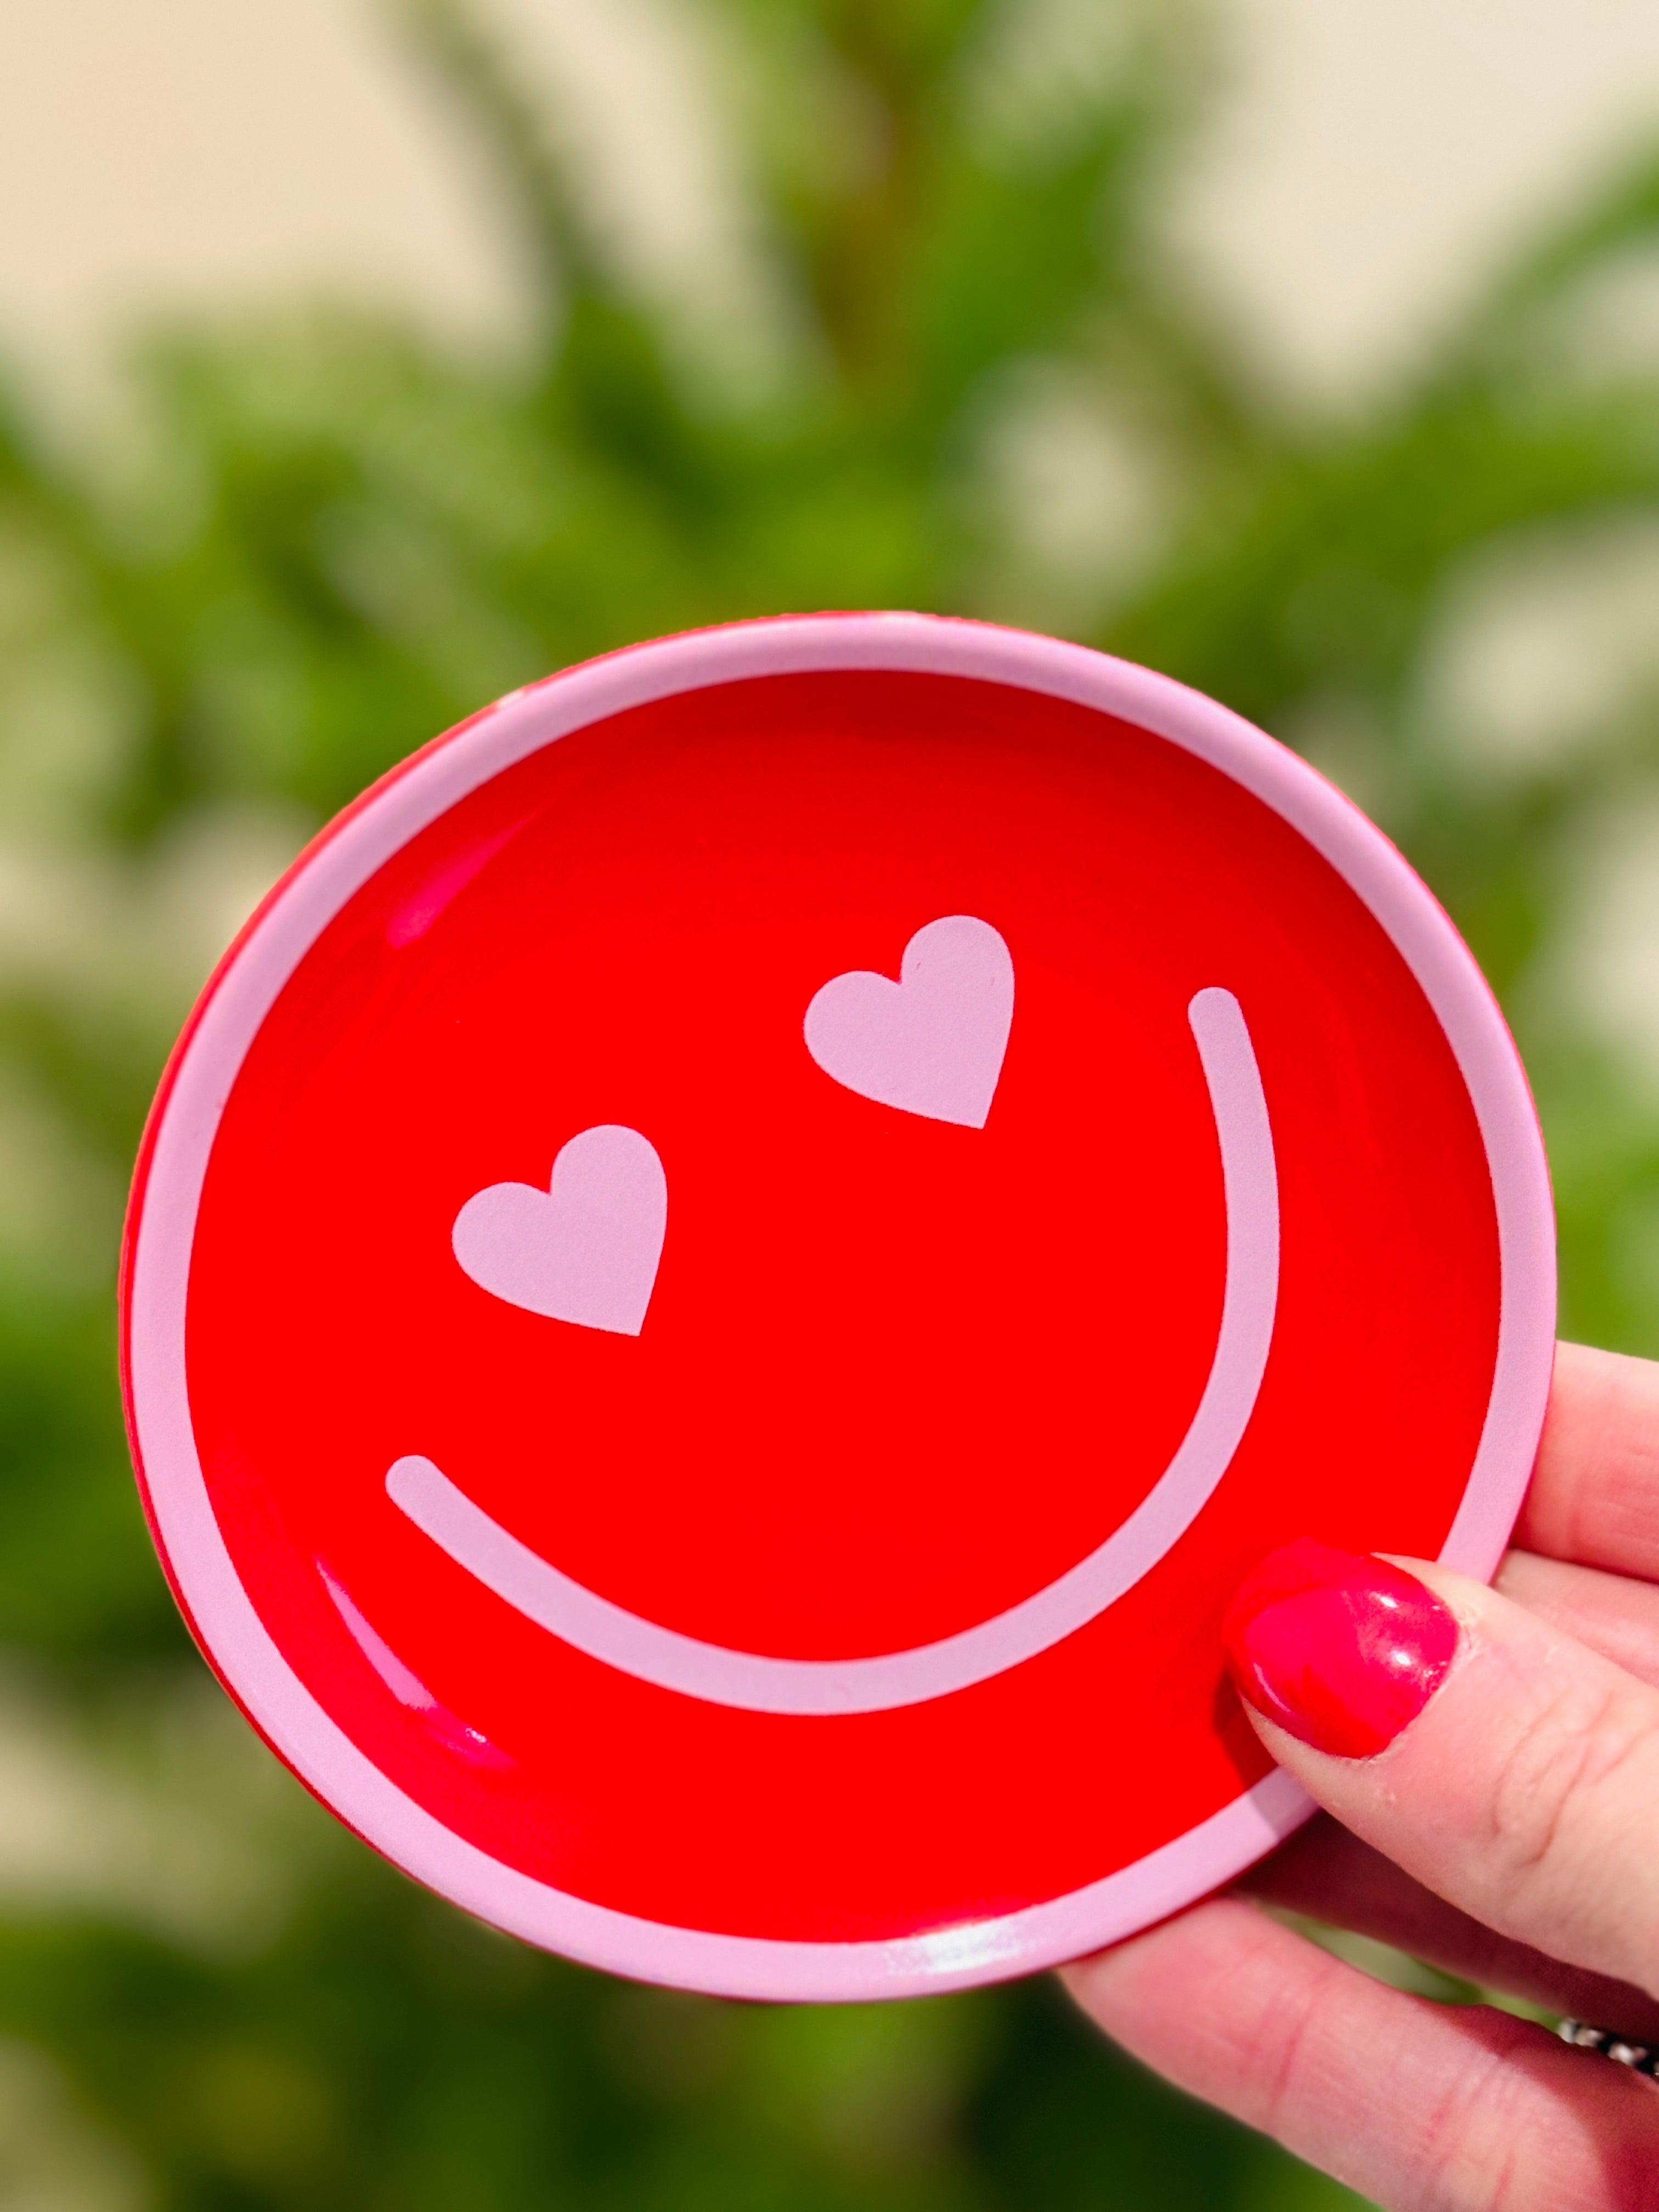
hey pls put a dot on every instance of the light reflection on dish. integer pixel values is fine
(407, 1687)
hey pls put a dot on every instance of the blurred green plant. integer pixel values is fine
(985, 383)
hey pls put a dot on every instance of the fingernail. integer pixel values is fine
(1340, 1650)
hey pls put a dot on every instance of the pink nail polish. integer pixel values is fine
(1340, 1650)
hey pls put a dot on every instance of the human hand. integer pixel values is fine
(1493, 1758)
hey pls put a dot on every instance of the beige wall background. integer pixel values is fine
(1368, 159)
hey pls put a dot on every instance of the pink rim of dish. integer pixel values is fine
(173, 1161)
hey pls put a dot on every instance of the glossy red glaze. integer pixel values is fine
(895, 1375)
(898, 1382)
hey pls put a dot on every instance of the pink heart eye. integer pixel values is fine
(933, 1043)
(587, 1249)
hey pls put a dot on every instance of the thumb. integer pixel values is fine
(1508, 1767)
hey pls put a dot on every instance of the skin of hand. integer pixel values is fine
(1488, 1761)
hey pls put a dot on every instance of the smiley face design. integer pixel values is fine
(931, 1044)
(735, 1266)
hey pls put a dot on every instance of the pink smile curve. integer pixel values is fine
(757, 1682)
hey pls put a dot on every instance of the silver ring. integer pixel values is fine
(1639, 2058)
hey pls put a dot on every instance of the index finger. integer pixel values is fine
(1595, 1494)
